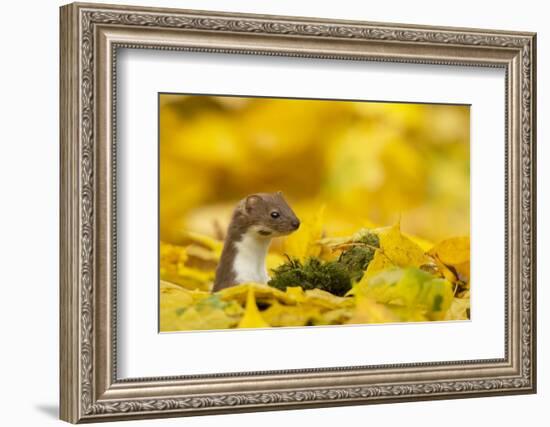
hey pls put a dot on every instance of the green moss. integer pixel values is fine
(367, 237)
(357, 258)
(335, 277)
(329, 276)
(291, 273)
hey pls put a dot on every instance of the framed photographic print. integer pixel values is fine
(265, 212)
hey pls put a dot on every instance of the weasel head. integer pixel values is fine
(268, 215)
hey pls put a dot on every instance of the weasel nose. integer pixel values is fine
(295, 224)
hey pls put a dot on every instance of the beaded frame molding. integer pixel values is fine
(90, 37)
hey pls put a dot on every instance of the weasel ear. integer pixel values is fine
(280, 193)
(251, 202)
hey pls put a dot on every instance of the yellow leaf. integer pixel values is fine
(274, 260)
(326, 300)
(173, 296)
(334, 317)
(200, 255)
(234, 309)
(298, 315)
(443, 269)
(304, 242)
(214, 245)
(334, 242)
(369, 311)
(174, 268)
(409, 314)
(194, 319)
(296, 293)
(170, 256)
(454, 252)
(263, 293)
(252, 317)
(399, 249)
(459, 309)
(181, 310)
(193, 278)
(196, 294)
(396, 250)
(411, 288)
(422, 243)
(380, 262)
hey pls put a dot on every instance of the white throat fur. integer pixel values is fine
(249, 262)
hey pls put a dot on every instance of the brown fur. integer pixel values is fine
(253, 210)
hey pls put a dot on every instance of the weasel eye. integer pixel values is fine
(275, 214)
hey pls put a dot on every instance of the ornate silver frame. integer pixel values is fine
(90, 36)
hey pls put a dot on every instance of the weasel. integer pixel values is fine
(256, 220)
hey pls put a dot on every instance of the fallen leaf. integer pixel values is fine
(455, 253)
(368, 310)
(304, 242)
(181, 309)
(399, 249)
(252, 317)
(380, 262)
(274, 260)
(326, 300)
(460, 308)
(263, 293)
(298, 315)
(174, 267)
(214, 245)
(411, 288)
(334, 317)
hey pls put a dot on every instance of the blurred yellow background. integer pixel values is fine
(368, 163)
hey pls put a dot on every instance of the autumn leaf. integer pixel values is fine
(380, 262)
(304, 242)
(297, 315)
(454, 253)
(274, 260)
(460, 308)
(195, 319)
(422, 243)
(297, 293)
(192, 278)
(393, 288)
(325, 299)
(367, 310)
(181, 309)
(409, 288)
(174, 268)
(399, 249)
(262, 293)
(252, 317)
(174, 297)
(338, 316)
(215, 246)
(396, 250)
